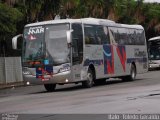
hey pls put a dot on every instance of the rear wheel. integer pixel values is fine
(50, 87)
(132, 75)
(90, 79)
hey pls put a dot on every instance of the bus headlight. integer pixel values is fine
(64, 69)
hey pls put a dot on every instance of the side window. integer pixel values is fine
(102, 35)
(131, 37)
(136, 37)
(77, 43)
(96, 34)
(122, 36)
(115, 33)
(140, 37)
(128, 36)
(90, 34)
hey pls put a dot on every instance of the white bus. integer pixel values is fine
(84, 50)
(154, 52)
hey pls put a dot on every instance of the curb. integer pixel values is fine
(11, 85)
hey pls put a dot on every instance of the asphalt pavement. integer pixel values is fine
(141, 96)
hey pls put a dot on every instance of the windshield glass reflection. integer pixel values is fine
(33, 43)
(57, 50)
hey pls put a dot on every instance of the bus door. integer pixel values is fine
(77, 51)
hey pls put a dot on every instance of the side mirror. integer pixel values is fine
(14, 41)
(69, 36)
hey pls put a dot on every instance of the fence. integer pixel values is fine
(10, 70)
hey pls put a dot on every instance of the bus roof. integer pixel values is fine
(95, 21)
(154, 38)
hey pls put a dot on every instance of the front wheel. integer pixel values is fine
(132, 75)
(50, 87)
(90, 79)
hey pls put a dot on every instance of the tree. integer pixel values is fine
(9, 17)
(68, 8)
(14, 14)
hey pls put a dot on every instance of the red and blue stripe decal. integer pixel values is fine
(108, 61)
(121, 51)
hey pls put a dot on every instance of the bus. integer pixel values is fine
(86, 50)
(154, 53)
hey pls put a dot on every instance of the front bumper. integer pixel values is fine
(59, 78)
(154, 66)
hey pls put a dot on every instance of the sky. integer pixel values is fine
(152, 1)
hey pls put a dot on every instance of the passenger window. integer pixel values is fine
(96, 35)
(102, 35)
(90, 34)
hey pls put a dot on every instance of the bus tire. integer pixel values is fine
(90, 79)
(50, 87)
(132, 75)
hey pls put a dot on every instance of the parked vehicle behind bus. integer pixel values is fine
(84, 50)
(154, 53)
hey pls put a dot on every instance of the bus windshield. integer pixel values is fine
(57, 51)
(33, 43)
(47, 42)
(154, 50)
(154, 53)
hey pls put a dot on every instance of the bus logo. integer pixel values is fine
(36, 30)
